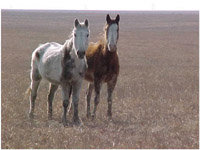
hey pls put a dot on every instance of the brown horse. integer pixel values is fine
(103, 65)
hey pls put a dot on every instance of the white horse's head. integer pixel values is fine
(81, 37)
(112, 32)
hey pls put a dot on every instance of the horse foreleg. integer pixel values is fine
(52, 90)
(88, 98)
(65, 97)
(34, 88)
(75, 99)
(110, 87)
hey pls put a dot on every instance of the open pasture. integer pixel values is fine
(156, 99)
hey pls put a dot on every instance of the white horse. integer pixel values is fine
(63, 65)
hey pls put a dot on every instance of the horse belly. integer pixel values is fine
(51, 70)
(52, 74)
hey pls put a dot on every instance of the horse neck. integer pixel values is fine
(67, 48)
(68, 44)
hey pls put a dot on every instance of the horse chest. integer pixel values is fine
(108, 70)
(102, 67)
(73, 70)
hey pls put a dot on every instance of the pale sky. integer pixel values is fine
(102, 4)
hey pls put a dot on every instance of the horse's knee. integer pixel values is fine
(96, 100)
(75, 100)
(75, 103)
(65, 103)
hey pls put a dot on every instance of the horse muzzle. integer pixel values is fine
(112, 47)
(81, 54)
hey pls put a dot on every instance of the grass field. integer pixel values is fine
(156, 100)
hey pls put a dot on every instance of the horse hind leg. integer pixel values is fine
(88, 98)
(52, 90)
(34, 88)
(35, 81)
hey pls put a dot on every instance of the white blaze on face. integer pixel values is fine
(112, 37)
(81, 38)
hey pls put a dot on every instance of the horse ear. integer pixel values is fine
(76, 23)
(117, 18)
(86, 22)
(108, 18)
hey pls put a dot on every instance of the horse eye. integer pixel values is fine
(75, 34)
(87, 35)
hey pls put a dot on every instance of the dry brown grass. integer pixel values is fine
(155, 100)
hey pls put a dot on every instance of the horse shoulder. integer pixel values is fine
(92, 54)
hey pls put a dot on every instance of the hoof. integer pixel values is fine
(31, 116)
(50, 117)
(64, 121)
(77, 121)
(93, 116)
(88, 115)
(110, 118)
(109, 115)
(65, 124)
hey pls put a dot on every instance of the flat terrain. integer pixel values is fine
(155, 103)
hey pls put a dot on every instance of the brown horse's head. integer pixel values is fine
(112, 32)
